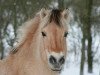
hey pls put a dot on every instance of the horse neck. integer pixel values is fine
(28, 44)
(28, 49)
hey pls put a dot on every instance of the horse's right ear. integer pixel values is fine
(43, 13)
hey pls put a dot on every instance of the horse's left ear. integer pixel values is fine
(66, 13)
(43, 13)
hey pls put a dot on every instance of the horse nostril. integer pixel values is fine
(62, 60)
(52, 60)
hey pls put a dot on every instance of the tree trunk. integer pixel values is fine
(82, 57)
(89, 37)
(1, 46)
(89, 54)
(2, 50)
(86, 29)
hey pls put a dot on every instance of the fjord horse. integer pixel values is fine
(41, 47)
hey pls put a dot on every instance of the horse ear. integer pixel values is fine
(65, 13)
(43, 13)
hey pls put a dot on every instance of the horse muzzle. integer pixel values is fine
(56, 63)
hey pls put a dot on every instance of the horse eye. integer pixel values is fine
(66, 33)
(43, 34)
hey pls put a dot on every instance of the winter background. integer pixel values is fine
(72, 65)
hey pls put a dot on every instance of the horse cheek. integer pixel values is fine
(43, 54)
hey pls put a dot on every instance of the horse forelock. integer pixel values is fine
(55, 16)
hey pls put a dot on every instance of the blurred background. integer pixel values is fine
(83, 57)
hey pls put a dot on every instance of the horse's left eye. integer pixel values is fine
(66, 33)
(43, 34)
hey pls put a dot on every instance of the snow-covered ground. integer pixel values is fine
(75, 70)
(72, 66)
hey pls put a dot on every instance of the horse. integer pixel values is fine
(41, 46)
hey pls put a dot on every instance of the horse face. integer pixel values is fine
(54, 44)
(54, 41)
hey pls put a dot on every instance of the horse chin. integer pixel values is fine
(58, 70)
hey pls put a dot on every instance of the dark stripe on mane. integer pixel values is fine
(55, 16)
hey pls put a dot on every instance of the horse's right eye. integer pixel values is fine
(43, 34)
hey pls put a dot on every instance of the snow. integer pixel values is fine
(72, 66)
(75, 70)
(10, 31)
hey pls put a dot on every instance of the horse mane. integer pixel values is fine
(29, 28)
